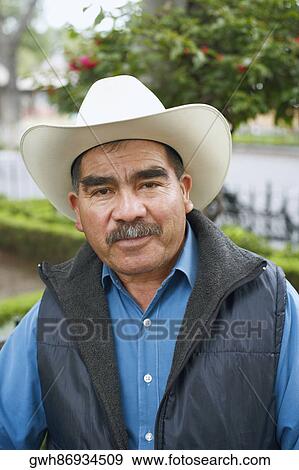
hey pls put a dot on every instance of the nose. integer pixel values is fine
(128, 207)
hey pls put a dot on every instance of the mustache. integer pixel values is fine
(127, 230)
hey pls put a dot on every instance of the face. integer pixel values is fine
(132, 207)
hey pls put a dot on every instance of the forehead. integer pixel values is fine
(129, 156)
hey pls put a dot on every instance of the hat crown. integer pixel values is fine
(115, 99)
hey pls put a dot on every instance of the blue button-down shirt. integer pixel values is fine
(144, 362)
(144, 381)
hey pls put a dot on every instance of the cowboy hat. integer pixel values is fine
(121, 107)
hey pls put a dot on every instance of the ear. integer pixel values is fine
(74, 203)
(186, 185)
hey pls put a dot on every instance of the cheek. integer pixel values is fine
(171, 217)
(94, 222)
(172, 206)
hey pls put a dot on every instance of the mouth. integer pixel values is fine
(133, 242)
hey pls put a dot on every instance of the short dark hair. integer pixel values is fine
(173, 158)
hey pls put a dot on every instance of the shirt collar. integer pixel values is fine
(186, 262)
(188, 258)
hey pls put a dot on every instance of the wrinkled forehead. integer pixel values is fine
(125, 157)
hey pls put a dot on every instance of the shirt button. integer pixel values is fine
(148, 378)
(149, 437)
(147, 322)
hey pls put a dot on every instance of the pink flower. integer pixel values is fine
(205, 49)
(86, 62)
(74, 66)
(242, 68)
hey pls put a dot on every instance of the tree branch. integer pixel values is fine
(24, 21)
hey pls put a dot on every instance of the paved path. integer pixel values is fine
(17, 276)
(253, 167)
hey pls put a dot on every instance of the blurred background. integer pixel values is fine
(240, 56)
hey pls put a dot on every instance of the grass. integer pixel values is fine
(283, 139)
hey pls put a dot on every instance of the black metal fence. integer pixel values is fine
(277, 221)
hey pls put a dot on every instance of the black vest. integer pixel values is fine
(220, 390)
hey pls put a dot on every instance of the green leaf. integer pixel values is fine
(72, 33)
(86, 8)
(99, 18)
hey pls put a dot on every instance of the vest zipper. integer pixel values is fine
(160, 413)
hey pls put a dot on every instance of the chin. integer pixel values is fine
(128, 270)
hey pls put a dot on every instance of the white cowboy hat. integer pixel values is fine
(121, 107)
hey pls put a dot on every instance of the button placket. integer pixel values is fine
(148, 378)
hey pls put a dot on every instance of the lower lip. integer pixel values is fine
(133, 242)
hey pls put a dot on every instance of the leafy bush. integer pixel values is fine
(37, 209)
(287, 258)
(35, 230)
(248, 240)
(17, 306)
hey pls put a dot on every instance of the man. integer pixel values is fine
(160, 333)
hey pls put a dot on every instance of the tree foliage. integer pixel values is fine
(241, 56)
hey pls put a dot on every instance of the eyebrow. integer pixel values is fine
(94, 180)
(152, 172)
(149, 173)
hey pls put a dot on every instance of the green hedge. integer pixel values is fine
(37, 209)
(289, 138)
(17, 306)
(248, 240)
(35, 230)
(287, 258)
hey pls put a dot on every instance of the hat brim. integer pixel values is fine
(198, 132)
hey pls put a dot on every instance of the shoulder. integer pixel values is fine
(291, 333)
(293, 296)
(25, 333)
(287, 380)
(273, 282)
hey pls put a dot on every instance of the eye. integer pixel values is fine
(150, 185)
(101, 192)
